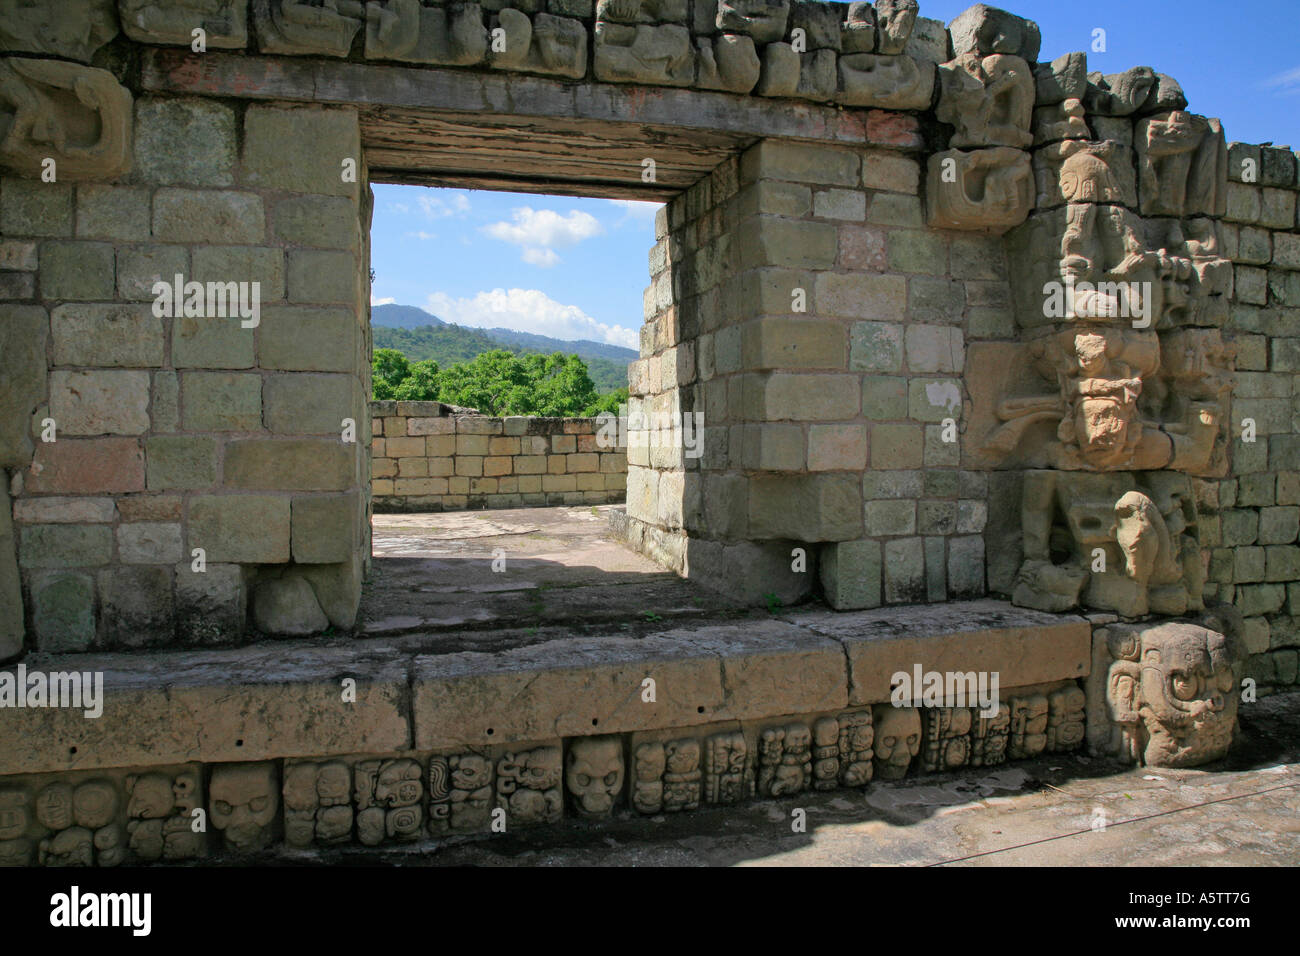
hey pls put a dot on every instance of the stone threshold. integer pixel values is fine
(289, 699)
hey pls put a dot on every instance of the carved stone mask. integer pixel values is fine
(244, 800)
(594, 774)
(540, 769)
(399, 784)
(54, 806)
(470, 772)
(897, 739)
(151, 797)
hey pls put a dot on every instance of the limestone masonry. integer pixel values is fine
(1012, 340)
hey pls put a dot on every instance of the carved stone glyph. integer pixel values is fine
(593, 775)
(990, 189)
(160, 815)
(529, 786)
(244, 804)
(947, 738)
(76, 31)
(784, 760)
(76, 115)
(451, 35)
(886, 82)
(633, 46)
(1163, 695)
(897, 740)
(224, 22)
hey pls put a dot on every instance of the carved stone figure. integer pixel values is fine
(947, 738)
(632, 48)
(727, 62)
(1171, 692)
(545, 44)
(648, 764)
(244, 800)
(594, 775)
(785, 760)
(76, 115)
(858, 31)
(682, 775)
(528, 786)
(15, 818)
(989, 738)
(989, 189)
(989, 100)
(762, 20)
(1028, 736)
(897, 739)
(826, 753)
(1182, 165)
(1119, 94)
(224, 22)
(1065, 719)
(451, 35)
(985, 30)
(857, 735)
(75, 31)
(887, 82)
(309, 27)
(894, 22)
(728, 775)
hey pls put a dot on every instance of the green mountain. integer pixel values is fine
(449, 344)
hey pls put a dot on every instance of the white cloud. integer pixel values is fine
(528, 310)
(399, 207)
(437, 206)
(541, 257)
(1288, 81)
(538, 230)
(635, 210)
(421, 235)
(388, 300)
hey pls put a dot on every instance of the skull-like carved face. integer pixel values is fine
(897, 739)
(13, 814)
(595, 774)
(151, 797)
(54, 806)
(540, 769)
(470, 772)
(244, 799)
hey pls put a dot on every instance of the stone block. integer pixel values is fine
(915, 251)
(841, 204)
(32, 208)
(306, 404)
(180, 462)
(224, 264)
(905, 571)
(934, 348)
(192, 216)
(302, 464)
(896, 447)
(888, 517)
(325, 527)
(322, 139)
(64, 546)
(222, 401)
(321, 276)
(787, 343)
(139, 267)
(797, 162)
(87, 466)
(837, 448)
(825, 507)
(100, 402)
(107, 335)
(189, 142)
(112, 212)
(861, 296)
(24, 334)
(1023, 646)
(63, 611)
(808, 397)
(884, 397)
(773, 241)
(295, 339)
(77, 270)
(850, 574)
(240, 529)
(211, 605)
(149, 542)
(327, 222)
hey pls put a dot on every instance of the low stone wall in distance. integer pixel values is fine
(427, 456)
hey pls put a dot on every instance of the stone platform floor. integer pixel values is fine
(1244, 812)
(433, 574)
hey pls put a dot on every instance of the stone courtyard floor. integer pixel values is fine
(433, 577)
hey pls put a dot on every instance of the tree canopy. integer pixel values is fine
(497, 382)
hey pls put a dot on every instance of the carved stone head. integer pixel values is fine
(151, 796)
(14, 816)
(244, 798)
(594, 774)
(54, 806)
(1172, 687)
(897, 739)
(470, 772)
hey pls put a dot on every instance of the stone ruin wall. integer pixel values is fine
(425, 458)
(921, 261)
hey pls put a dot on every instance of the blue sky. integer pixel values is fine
(576, 268)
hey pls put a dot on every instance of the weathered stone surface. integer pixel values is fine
(24, 332)
(188, 215)
(254, 703)
(210, 604)
(186, 142)
(1023, 646)
(136, 606)
(100, 402)
(79, 466)
(250, 529)
(850, 574)
(451, 36)
(224, 22)
(63, 611)
(288, 465)
(894, 22)
(989, 189)
(64, 546)
(887, 82)
(80, 28)
(324, 528)
(12, 627)
(986, 30)
(107, 335)
(76, 115)
(300, 27)
(287, 607)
